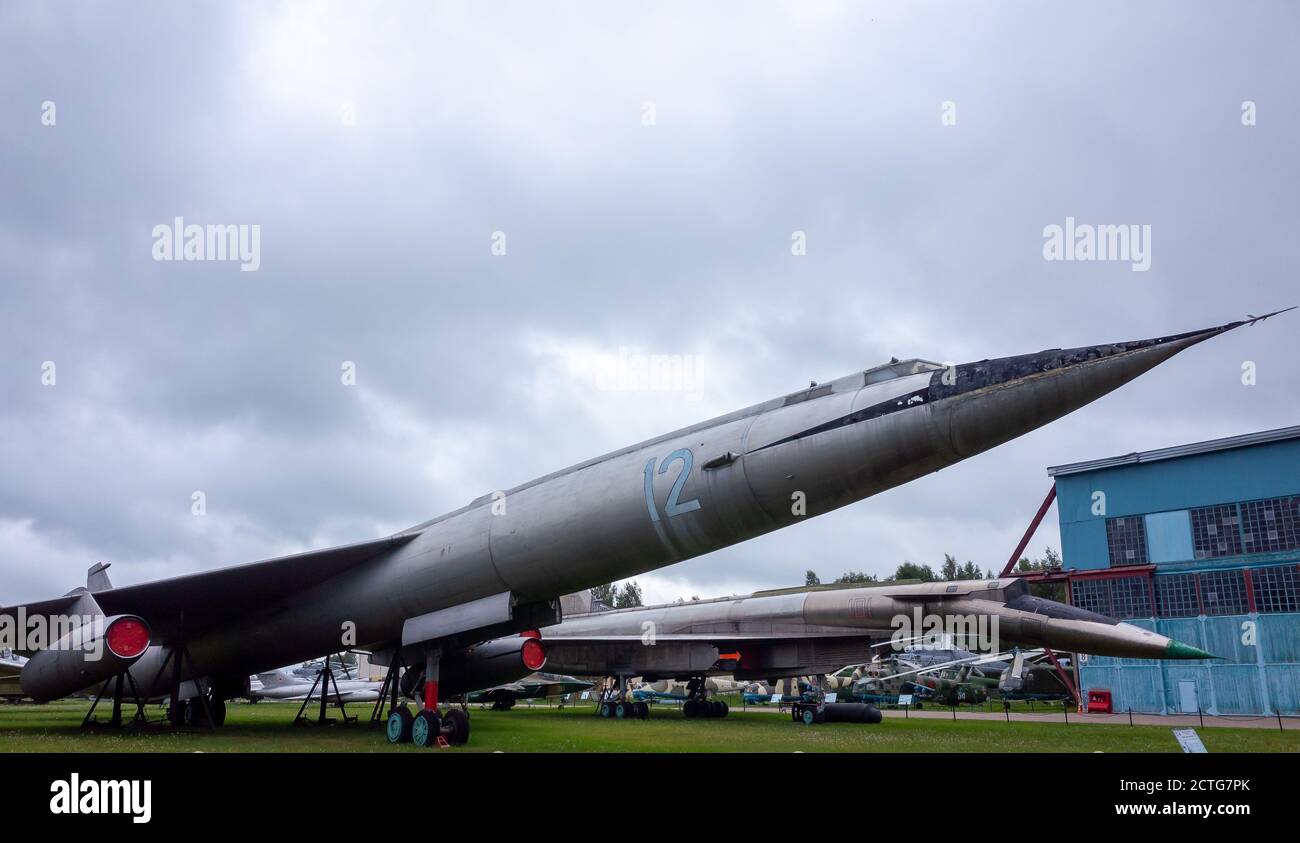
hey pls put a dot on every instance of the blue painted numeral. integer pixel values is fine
(673, 506)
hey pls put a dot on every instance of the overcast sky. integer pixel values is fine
(648, 169)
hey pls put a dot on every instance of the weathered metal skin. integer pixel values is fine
(73, 663)
(655, 503)
(757, 624)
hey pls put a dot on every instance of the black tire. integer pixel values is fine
(726, 709)
(456, 724)
(819, 715)
(691, 708)
(191, 713)
(605, 709)
(426, 728)
(642, 710)
(400, 721)
(620, 710)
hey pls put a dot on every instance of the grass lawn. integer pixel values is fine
(267, 727)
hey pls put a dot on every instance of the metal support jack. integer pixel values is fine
(323, 679)
(115, 722)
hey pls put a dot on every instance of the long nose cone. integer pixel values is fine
(993, 401)
(1179, 650)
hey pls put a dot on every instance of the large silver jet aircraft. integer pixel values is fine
(496, 566)
(282, 685)
(809, 632)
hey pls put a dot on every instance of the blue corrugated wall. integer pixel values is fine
(1263, 678)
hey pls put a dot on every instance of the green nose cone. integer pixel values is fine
(1179, 650)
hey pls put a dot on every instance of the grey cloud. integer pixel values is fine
(923, 241)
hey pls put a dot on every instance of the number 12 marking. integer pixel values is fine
(672, 507)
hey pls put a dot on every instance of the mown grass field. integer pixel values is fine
(267, 727)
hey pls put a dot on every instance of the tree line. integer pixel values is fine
(628, 595)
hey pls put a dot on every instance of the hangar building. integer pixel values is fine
(1200, 542)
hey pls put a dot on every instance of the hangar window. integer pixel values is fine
(1277, 589)
(1130, 598)
(1214, 531)
(1176, 596)
(1116, 597)
(1093, 595)
(1271, 525)
(1126, 539)
(1224, 592)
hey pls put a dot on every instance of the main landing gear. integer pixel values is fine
(428, 726)
(614, 702)
(698, 703)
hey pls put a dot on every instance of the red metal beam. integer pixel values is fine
(1029, 533)
(1069, 683)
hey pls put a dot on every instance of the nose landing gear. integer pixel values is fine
(429, 727)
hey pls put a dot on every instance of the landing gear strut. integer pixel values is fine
(429, 727)
(698, 703)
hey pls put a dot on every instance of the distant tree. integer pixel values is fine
(810, 578)
(913, 571)
(606, 593)
(970, 571)
(629, 597)
(949, 571)
(1050, 562)
(855, 577)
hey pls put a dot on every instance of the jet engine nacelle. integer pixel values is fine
(85, 656)
(481, 666)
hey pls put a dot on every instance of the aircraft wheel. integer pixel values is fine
(457, 725)
(400, 722)
(620, 710)
(808, 717)
(795, 714)
(642, 710)
(426, 728)
(690, 708)
(605, 709)
(726, 709)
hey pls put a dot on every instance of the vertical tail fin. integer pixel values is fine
(274, 679)
(97, 577)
